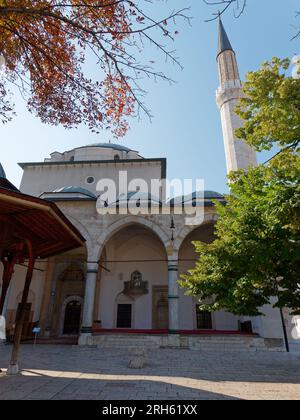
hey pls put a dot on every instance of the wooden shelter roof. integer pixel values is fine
(41, 221)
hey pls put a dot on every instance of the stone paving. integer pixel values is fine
(52, 372)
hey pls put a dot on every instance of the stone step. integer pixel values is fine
(131, 343)
(125, 342)
(224, 343)
(226, 339)
(126, 339)
(228, 343)
(195, 343)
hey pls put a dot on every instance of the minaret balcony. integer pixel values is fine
(230, 84)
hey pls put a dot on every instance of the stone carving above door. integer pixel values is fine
(136, 286)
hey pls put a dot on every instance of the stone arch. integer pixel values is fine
(84, 232)
(70, 282)
(63, 309)
(186, 230)
(114, 228)
(131, 245)
(187, 258)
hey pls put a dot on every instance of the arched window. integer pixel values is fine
(90, 180)
(72, 158)
(116, 157)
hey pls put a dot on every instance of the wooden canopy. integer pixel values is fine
(30, 228)
(23, 216)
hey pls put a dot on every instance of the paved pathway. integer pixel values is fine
(67, 372)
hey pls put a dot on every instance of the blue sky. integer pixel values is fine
(186, 127)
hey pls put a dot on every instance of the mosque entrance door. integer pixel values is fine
(124, 316)
(72, 317)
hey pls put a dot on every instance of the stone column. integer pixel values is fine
(88, 306)
(173, 297)
(53, 280)
(46, 299)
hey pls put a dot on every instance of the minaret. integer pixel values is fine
(238, 154)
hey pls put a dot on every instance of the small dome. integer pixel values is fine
(136, 195)
(2, 172)
(206, 195)
(113, 146)
(76, 190)
(212, 194)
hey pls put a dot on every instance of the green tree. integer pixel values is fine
(256, 255)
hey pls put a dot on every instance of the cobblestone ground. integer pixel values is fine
(73, 373)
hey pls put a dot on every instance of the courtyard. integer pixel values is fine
(56, 372)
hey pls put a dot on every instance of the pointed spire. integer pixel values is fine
(2, 172)
(224, 43)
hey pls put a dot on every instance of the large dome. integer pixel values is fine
(96, 152)
(118, 147)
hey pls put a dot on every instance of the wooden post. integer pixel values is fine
(5, 283)
(13, 367)
(5, 233)
(8, 265)
(286, 340)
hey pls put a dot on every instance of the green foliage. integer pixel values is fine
(256, 255)
(271, 107)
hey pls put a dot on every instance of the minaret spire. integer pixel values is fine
(239, 155)
(224, 43)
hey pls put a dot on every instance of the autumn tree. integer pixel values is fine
(238, 7)
(46, 46)
(256, 255)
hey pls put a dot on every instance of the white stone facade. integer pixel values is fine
(118, 245)
(126, 277)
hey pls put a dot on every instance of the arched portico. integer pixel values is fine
(191, 318)
(138, 244)
(89, 245)
(134, 266)
(66, 276)
(157, 234)
(120, 224)
(186, 230)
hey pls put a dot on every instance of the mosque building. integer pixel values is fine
(125, 278)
